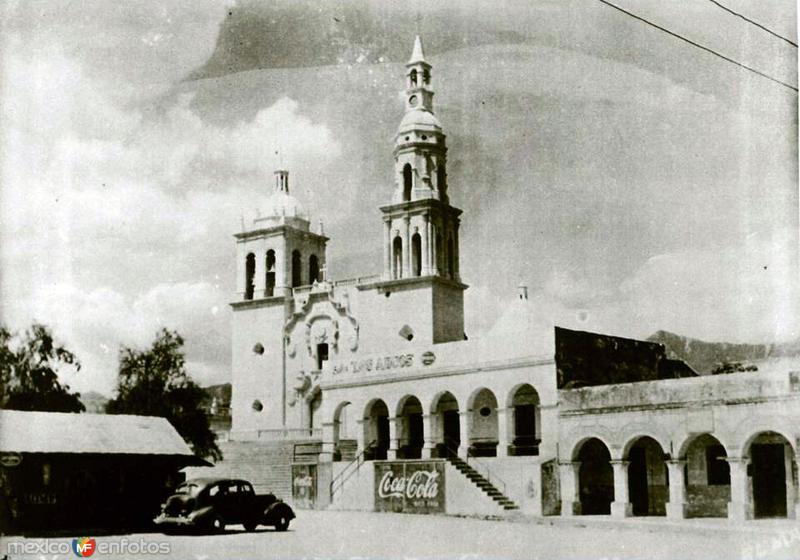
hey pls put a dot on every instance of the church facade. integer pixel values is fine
(379, 371)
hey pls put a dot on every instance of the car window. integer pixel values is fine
(233, 489)
(246, 488)
(188, 489)
(213, 491)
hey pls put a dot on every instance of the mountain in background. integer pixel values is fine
(704, 356)
(306, 33)
(222, 392)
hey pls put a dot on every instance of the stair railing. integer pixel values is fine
(481, 468)
(352, 467)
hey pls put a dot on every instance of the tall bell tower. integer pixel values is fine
(421, 246)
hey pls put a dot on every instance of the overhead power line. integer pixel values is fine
(699, 46)
(747, 19)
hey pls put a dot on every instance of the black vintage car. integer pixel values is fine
(210, 504)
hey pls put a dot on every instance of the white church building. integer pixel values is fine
(379, 374)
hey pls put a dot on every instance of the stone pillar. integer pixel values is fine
(361, 442)
(463, 430)
(392, 452)
(407, 247)
(456, 252)
(569, 480)
(427, 436)
(434, 250)
(328, 441)
(676, 507)
(502, 432)
(796, 494)
(387, 249)
(738, 507)
(281, 282)
(426, 235)
(621, 506)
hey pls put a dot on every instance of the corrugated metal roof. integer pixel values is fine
(58, 432)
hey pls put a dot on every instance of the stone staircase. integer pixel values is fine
(266, 464)
(481, 482)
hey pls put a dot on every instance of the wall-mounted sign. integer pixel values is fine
(10, 459)
(428, 358)
(383, 363)
(410, 486)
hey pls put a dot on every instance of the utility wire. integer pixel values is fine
(737, 14)
(699, 46)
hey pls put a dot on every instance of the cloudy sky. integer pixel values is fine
(635, 183)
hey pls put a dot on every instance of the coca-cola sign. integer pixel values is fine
(410, 486)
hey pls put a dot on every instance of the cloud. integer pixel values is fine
(741, 294)
(96, 323)
(116, 220)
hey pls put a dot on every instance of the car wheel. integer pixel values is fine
(217, 524)
(282, 524)
(250, 526)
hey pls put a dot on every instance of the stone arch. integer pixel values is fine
(631, 440)
(409, 428)
(297, 269)
(595, 476)
(772, 457)
(416, 255)
(397, 257)
(376, 429)
(483, 428)
(408, 182)
(344, 437)
(249, 275)
(648, 482)
(687, 441)
(754, 433)
(524, 419)
(707, 475)
(270, 277)
(313, 269)
(578, 443)
(445, 423)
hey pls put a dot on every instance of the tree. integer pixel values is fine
(154, 382)
(29, 368)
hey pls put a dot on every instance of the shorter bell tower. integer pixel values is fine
(279, 251)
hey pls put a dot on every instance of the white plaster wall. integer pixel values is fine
(523, 480)
(357, 494)
(462, 497)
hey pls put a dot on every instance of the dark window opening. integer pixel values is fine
(413, 77)
(297, 278)
(249, 276)
(313, 269)
(416, 254)
(270, 287)
(322, 354)
(407, 180)
(398, 258)
(440, 179)
(426, 76)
